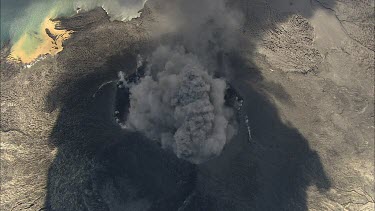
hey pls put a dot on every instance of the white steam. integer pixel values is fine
(180, 105)
(122, 10)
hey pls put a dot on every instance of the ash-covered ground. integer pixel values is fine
(304, 135)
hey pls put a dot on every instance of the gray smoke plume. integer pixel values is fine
(179, 104)
(204, 27)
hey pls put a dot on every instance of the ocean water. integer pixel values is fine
(24, 17)
(21, 18)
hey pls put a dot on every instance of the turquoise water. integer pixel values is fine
(10, 10)
(26, 16)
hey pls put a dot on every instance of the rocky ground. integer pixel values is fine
(306, 74)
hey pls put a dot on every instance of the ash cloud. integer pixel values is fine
(179, 104)
(204, 27)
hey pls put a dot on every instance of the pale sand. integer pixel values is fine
(29, 47)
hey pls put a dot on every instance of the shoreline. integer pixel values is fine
(49, 42)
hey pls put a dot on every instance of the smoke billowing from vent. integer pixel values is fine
(179, 104)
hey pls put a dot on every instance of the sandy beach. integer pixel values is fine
(48, 40)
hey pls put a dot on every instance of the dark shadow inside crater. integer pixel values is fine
(105, 168)
(99, 166)
(271, 170)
